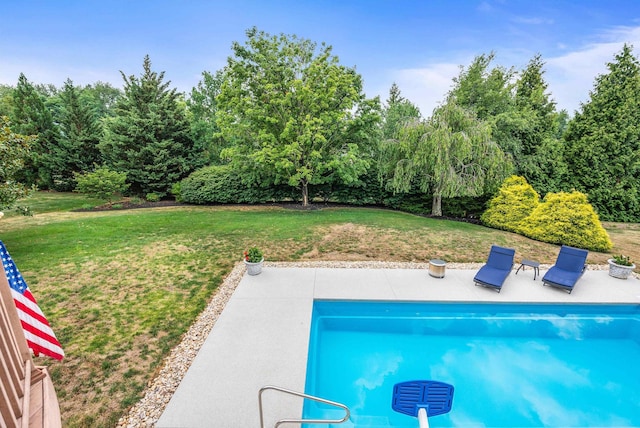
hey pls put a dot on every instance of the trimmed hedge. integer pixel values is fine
(515, 201)
(219, 184)
(566, 218)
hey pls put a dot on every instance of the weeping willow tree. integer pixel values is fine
(448, 155)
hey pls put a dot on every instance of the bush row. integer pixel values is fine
(221, 185)
(561, 218)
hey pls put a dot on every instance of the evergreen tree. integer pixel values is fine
(532, 99)
(566, 219)
(80, 133)
(148, 138)
(603, 141)
(540, 160)
(32, 117)
(397, 112)
(394, 95)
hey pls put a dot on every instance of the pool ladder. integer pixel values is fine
(299, 421)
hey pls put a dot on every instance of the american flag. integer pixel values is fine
(40, 337)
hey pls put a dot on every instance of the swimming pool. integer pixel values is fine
(524, 365)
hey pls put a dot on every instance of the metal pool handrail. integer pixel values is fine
(298, 421)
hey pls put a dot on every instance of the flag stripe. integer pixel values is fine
(43, 347)
(37, 331)
(29, 308)
(36, 327)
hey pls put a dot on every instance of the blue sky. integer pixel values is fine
(418, 44)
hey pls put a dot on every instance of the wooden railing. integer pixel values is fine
(27, 396)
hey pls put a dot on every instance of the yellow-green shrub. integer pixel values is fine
(515, 200)
(566, 218)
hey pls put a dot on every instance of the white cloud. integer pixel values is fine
(426, 87)
(571, 76)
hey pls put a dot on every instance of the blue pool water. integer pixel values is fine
(512, 365)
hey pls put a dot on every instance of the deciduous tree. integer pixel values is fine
(522, 116)
(6, 100)
(14, 150)
(102, 97)
(451, 154)
(486, 91)
(203, 107)
(293, 114)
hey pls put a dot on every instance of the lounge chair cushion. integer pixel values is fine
(568, 269)
(571, 259)
(492, 277)
(561, 277)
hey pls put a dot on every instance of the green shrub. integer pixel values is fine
(220, 184)
(515, 200)
(103, 183)
(152, 197)
(569, 219)
(175, 191)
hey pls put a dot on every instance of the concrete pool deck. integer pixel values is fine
(262, 336)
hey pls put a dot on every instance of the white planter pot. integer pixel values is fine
(619, 271)
(254, 268)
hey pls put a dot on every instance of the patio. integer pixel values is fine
(261, 337)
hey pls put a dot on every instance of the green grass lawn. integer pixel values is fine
(121, 287)
(44, 202)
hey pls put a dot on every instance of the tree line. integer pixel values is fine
(285, 112)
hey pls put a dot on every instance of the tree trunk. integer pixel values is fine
(436, 206)
(305, 194)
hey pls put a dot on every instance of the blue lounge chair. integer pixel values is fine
(497, 269)
(569, 267)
